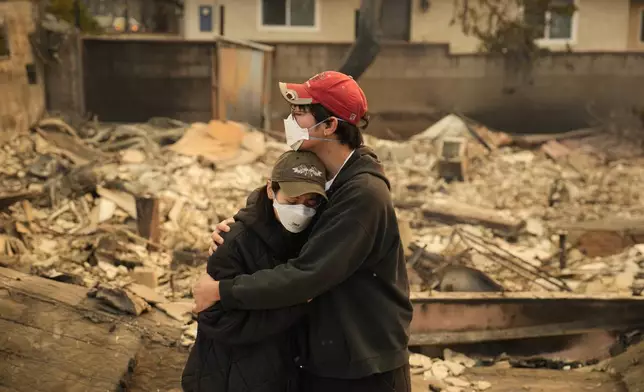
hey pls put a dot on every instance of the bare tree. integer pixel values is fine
(366, 47)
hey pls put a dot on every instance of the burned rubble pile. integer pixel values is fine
(125, 209)
(559, 212)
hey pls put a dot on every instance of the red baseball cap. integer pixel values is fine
(337, 92)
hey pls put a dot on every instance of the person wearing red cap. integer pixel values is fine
(351, 269)
(330, 98)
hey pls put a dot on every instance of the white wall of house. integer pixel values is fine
(194, 12)
(331, 21)
(598, 25)
(602, 25)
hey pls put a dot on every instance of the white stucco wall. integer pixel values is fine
(191, 19)
(600, 25)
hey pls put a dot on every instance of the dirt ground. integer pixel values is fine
(630, 366)
(531, 380)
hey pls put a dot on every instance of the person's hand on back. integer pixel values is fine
(205, 292)
(217, 239)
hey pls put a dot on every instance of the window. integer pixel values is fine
(642, 26)
(4, 39)
(289, 13)
(557, 22)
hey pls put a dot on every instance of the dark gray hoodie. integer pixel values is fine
(353, 268)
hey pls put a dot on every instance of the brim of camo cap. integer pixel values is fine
(299, 188)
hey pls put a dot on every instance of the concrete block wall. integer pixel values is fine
(21, 103)
(553, 96)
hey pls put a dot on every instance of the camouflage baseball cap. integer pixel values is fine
(299, 172)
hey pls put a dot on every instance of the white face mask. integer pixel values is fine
(296, 135)
(294, 217)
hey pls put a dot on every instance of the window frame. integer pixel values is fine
(574, 27)
(287, 27)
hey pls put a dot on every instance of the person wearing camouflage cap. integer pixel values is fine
(296, 188)
(233, 350)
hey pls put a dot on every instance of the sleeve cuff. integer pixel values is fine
(227, 300)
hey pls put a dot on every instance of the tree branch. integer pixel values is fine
(367, 45)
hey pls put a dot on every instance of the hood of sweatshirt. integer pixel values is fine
(363, 160)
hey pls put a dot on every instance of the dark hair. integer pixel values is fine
(264, 204)
(348, 134)
(275, 186)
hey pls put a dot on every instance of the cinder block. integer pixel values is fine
(145, 276)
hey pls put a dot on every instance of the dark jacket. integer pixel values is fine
(354, 269)
(241, 350)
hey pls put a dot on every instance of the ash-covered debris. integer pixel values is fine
(528, 218)
(115, 206)
(125, 204)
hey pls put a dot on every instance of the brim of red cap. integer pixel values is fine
(296, 94)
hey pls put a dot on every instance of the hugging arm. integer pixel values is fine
(242, 326)
(337, 247)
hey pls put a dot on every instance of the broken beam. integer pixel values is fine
(449, 211)
(528, 141)
(55, 338)
(8, 199)
(604, 237)
(147, 218)
(450, 318)
(537, 331)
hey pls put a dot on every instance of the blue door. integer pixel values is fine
(205, 18)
